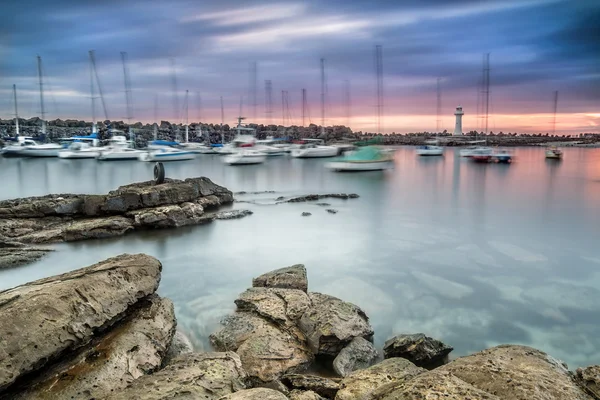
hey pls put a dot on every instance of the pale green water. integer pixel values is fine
(475, 255)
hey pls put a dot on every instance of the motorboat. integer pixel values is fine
(269, 148)
(116, 153)
(245, 156)
(198, 148)
(367, 158)
(482, 154)
(79, 150)
(430, 150)
(314, 148)
(159, 150)
(474, 145)
(27, 147)
(502, 156)
(554, 153)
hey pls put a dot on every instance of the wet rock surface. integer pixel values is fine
(306, 214)
(332, 211)
(43, 319)
(358, 354)
(517, 372)
(589, 379)
(316, 197)
(361, 384)
(133, 348)
(322, 386)
(144, 205)
(180, 344)
(293, 277)
(419, 349)
(190, 376)
(234, 214)
(14, 254)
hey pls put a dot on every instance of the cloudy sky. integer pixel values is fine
(535, 46)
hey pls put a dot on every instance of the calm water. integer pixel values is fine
(475, 255)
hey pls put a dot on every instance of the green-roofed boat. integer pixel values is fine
(366, 158)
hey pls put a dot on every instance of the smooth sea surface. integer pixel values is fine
(474, 255)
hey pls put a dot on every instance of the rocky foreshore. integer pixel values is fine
(26, 223)
(102, 332)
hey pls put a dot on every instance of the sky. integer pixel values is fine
(536, 47)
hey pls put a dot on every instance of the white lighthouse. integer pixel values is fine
(458, 126)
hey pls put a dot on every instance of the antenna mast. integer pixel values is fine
(379, 73)
(322, 96)
(268, 101)
(16, 110)
(39, 65)
(555, 108)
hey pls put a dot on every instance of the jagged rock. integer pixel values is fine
(332, 211)
(306, 214)
(180, 344)
(304, 395)
(589, 379)
(168, 216)
(361, 384)
(517, 372)
(267, 351)
(359, 354)
(256, 394)
(322, 386)
(45, 318)
(16, 256)
(330, 324)
(323, 204)
(235, 214)
(419, 349)
(133, 348)
(41, 206)
(315, 197)
(293, 277)
(190, 376)
(281, 306)
(432, 385)
(97, 228)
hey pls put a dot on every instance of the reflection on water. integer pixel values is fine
(476, 255)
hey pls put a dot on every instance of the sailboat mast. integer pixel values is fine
(486, 82)
(95, 73)
(186, 116)
(554, 113)
(16, 109)
(127, 88)
(155, 134)
(39, 65)
(303, 106)
(322, 96)
(94, 127)
(222, 120)
(379, 76)
(439, 108)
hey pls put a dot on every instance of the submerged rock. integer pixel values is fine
(332, 211)
(361, 384)
(293, 277)
(13, 254)
(306, 214)
(133, 348)
(322, 386)
(359, 354)
(432, 385)
(517, 372)
(256, 394)
(53, 315)
(190, 376)
(589, 379)
(235, 214)
(315, 197)
(419, 349)
(331, 324)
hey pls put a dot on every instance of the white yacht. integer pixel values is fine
(162, 150)
(314, 148)
(245, 156)
(430, 150)
(79, 150)
(27, 147)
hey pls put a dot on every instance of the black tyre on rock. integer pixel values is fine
(159, 173)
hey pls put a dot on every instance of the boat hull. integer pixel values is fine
(33, 152)
(167, 156)
(553, 155)
(349, 166)
(430, 152)
(235, 159)
(315, 152)
(119, 155)
(74, 155)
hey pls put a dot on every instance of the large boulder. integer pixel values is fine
(266, 350)
(359, 354)
(208, 376)
(281, 306)
(42, 320)
(361, 384)
(432, 385)
(419, 349)
(170, 216)
(180, 344)
(331, 324)
(589, 379)
(133, 348)
(322, 386)
(256, 394)
(517, 372)
(293, 277)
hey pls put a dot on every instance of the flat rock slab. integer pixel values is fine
(331, 324)
(256, 394)
(133, 348)
(432, 385)
(322, 386)
(589, 379)
(41, 320)
(293, 277)
(517, 372)
(207, 376)
(359, 354)
(361, 384)
(14, 257)
(419, 349)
